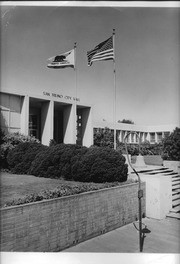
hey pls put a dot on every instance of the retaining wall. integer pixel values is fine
(56, 224)
(150, 160)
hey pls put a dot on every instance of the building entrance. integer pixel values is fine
(35, 119)
(58, 123)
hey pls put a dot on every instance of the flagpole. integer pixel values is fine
(75, 105)
(114, 104)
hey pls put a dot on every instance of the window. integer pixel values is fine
(33, 125)
(159, 137)
(152, 137)
(166, 134)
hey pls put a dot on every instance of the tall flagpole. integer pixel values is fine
(75, 105)
(114, 104)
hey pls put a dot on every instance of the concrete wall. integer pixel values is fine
(150, 160)
(10, 112)
(56, 224)
(158, 195)
(174, 165)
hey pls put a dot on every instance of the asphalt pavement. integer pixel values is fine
(163, 238)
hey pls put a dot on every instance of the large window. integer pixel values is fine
(79, 127)
(166, 134)
(152, 137)
(159, 137)
(33, 125)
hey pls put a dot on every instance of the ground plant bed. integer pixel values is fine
(51, 225)
(20, 189)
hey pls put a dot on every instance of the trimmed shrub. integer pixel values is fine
(20, 158)
(171, 146)
(56, 161)
(99, 165)
(73, 162)
(10, 141)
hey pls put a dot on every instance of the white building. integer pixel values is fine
(53, 116)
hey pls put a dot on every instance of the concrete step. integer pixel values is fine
(176, 196)
(175, 209)
(175, 186)
(176, 175)
(174, 215)
(176, 203)
(144, 170)
(175, 182)
(174, 192)
(161, 172)
(175, 179)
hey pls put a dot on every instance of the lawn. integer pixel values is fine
(13, 186)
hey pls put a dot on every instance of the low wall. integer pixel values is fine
(56, 224)
(173, 165)
(158, 194)
(150, 160)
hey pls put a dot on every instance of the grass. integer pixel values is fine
(13, 186)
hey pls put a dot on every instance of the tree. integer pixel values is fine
(171, 146)
(126, 121)
(104, 137)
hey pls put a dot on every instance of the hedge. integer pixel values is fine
(56, 161)
(21, 157)
(73, 162)
(8, 142)
(100, 164)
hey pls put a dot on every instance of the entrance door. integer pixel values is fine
(34, 125)
(79, 127)
(58, 126)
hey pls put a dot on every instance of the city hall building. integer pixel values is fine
(65, 119)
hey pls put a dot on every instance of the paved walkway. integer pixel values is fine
(164, 238)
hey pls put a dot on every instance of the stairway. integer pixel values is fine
(175, 211)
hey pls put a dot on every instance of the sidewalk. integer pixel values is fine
(164, 238)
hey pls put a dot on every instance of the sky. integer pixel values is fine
(147, 58)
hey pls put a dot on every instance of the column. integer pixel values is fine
(25, 115)
(87, 129)
(156, 138)
(148, 137)
(47, 122)
(120, 135)
(69, 127)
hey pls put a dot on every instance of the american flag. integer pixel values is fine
(103, 51)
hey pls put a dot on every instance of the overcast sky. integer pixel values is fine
(146, 53)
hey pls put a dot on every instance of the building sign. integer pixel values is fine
(60, 96)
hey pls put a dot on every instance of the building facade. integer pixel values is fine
(65, 119)
(47, 117)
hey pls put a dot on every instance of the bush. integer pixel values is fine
(99, 165)
(56, 161)
(171, 146)
(73, 162)
(20, 158)
(10, 141)
(146, 148)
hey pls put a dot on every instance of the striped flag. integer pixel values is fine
(103, 51)
(63, 60)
